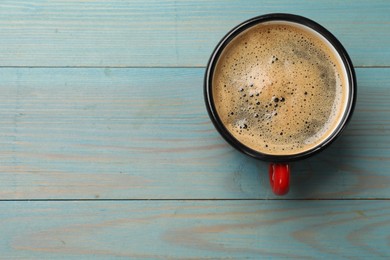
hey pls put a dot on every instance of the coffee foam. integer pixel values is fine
(279, 88)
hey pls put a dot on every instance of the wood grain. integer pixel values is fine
(195, 229)
(121, 33)
(144, 134)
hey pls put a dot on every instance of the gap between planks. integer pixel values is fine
(226, 199)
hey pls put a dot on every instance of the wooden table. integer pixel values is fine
(107, 150)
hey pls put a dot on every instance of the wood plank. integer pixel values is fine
(145, 134)
(168, 33)
(195, 229)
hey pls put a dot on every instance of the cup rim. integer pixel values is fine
(350, 73)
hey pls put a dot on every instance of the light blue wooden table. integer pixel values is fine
(106, 149)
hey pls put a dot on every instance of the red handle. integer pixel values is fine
(279, 177)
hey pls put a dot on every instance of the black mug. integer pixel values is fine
(279, 170)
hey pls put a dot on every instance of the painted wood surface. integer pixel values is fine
(195, 229)
(106, 150)
(168, 33)
(145, 134)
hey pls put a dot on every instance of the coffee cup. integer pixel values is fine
(280, 88)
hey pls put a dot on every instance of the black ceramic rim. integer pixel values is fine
(288, 18)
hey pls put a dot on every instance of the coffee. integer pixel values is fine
(280, 88)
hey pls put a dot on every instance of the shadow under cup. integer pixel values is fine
(279, 169)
